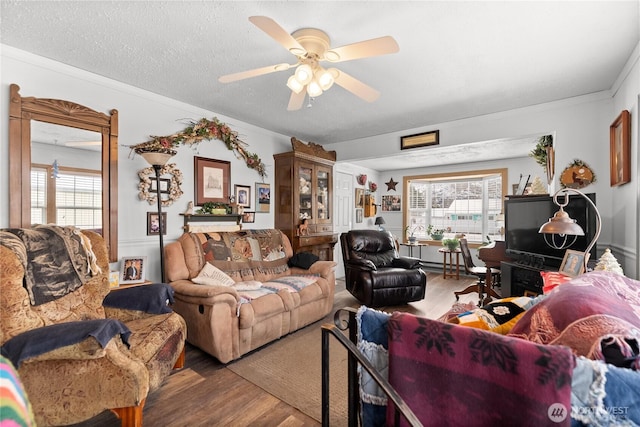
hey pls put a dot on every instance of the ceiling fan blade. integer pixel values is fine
(296, 100)
(279, 34)
(254, 73)
(356, 87)
(374, 47)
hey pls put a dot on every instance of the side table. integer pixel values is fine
(410, 247)
(447, 264)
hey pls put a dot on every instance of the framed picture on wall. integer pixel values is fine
(153, 224)
(359, 198)
(243, 195)
(248, 217)
(133, 269)
(359, 215)
(391, 203)
(212, 180)
(620, 147)
(263, 197)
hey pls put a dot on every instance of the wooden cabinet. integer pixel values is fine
(303, 198)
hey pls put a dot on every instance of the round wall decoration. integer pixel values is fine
(577, 175)
(173, 190)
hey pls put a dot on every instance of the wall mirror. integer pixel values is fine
(63, 166)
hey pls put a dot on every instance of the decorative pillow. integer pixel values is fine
(303, 260)
(212, 276)
(552, 279)
(498, 316)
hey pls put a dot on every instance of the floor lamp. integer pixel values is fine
(563, 225)
(158, 160)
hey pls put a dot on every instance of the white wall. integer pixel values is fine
(625, 214)
(141, 114)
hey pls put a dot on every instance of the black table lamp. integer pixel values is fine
(379, 222)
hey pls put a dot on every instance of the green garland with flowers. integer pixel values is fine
(195, 133)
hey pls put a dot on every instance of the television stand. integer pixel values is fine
(520, 278)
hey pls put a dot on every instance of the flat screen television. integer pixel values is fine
(523, 218)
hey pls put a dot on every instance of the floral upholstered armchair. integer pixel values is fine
(76, 352)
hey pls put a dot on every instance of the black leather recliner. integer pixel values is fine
(376, 274)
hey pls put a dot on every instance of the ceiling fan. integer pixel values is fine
(311, 47)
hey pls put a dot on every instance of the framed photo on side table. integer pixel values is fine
(573, 263)
(133, 270)
(212, 180)
(620, 146)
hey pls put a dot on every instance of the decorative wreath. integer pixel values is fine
(174, 184)
(198, 131)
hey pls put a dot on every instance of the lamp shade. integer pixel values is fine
(156, 158)
(304, 74)
(294, 84)
(561, 223)
(379, 221)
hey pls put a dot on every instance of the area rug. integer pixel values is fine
(291, 370)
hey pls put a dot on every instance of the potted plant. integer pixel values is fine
(451, 244)
(435, 233)
(410, 231)
(215, 208)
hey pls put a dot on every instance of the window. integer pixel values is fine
(74, 197)
(468, 203)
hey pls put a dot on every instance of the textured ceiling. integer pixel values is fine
(456, 59)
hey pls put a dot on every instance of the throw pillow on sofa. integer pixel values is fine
(212, 276)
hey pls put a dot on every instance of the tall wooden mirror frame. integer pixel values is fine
(65, 113)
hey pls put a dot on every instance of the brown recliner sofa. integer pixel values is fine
(376, 274)
(77, 381)
(229, 321)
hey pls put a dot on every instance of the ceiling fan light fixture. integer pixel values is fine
(294, 84)
(304, 74)
(313, 89)
(325, 78)
(331, 56)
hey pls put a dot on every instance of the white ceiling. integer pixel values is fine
(456, 59)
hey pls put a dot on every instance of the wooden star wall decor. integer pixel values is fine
(391, 185)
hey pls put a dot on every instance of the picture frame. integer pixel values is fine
(212, 180)
(620, 149)
(153, 228)
(573, 262)
(263, 197)
(248, 217)
(243, 195)
(165, 185)
(133, 270)
(420, 140)
(391, 203)
(359, 198)
(359, 215)
(522, 185)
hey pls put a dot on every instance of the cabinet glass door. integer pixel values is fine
(305, 182)
(323, 188)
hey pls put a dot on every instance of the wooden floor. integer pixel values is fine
(205, 393)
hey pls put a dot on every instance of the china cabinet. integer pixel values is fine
(303, 198)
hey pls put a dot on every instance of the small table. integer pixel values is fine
(448, 264)
(410, 246)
